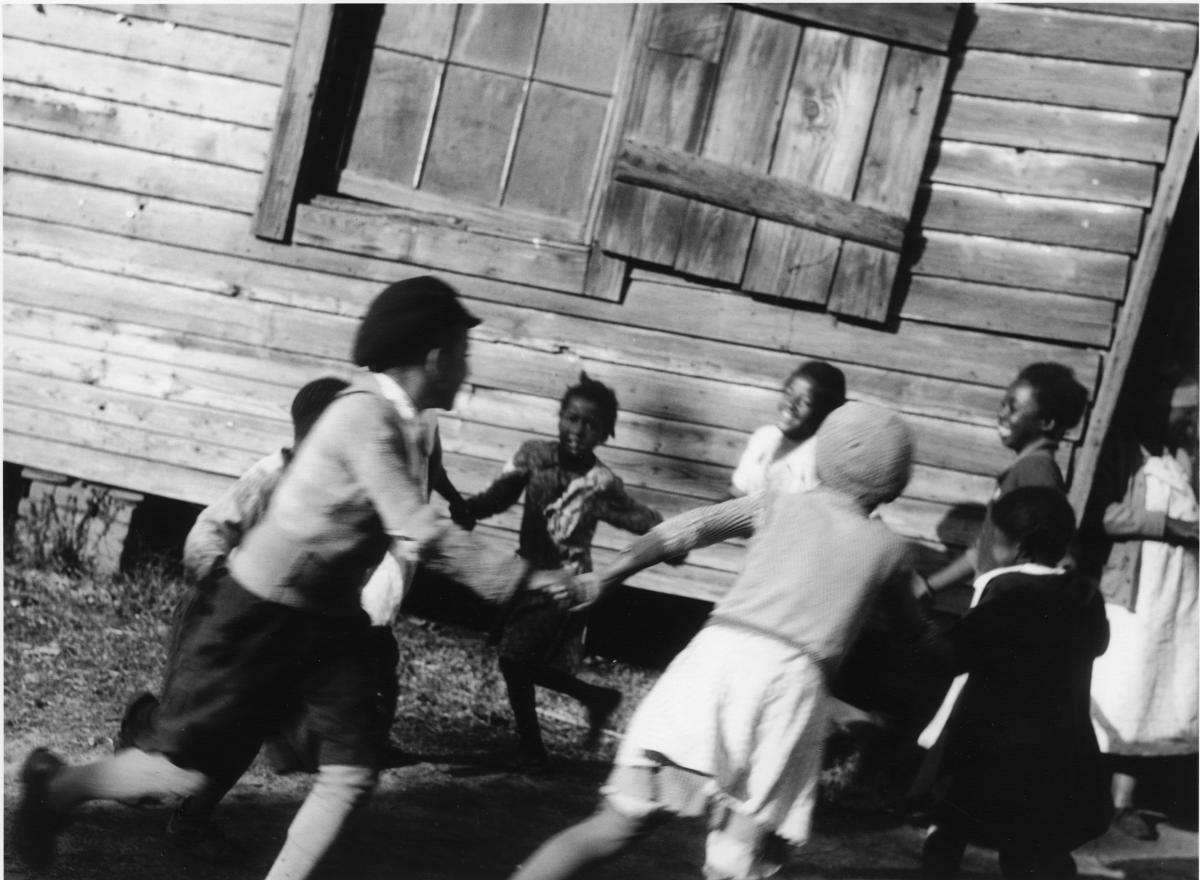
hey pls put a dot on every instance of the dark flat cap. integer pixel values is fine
(408, 319)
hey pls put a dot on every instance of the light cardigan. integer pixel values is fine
(356, 489)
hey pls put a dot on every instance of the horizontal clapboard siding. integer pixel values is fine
(152, 342)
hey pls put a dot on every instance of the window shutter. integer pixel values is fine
(779, 156)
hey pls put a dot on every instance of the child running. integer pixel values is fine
(283, 627)
(1019, 765)
(744, 739)
(568, 491)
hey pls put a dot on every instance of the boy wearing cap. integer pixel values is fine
(284, 627)
(744, 740)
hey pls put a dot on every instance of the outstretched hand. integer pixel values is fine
(569, 591)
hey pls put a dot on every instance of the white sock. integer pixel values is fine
(337, 790)
(128, 776)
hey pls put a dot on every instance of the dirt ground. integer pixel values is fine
(460, 817)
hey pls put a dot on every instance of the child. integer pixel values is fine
(781, 454)
(1041, 405)
(745, 738)
(283, 627)
(1019, 764)
(567, 492)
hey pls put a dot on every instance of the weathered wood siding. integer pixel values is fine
(153, 343)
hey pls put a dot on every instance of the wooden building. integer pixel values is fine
(684, 200)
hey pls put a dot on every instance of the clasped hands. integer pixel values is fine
(575, 592)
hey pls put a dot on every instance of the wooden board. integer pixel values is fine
(134, 171)
(582, 43)
(534, 326)
(929, 25)
(263, 21)
(1011, 310)
(424, 29)
(1068, 34)
(908, 105)
(821, 141)
(147, 40)
(688, 310)
(1165, 11)
(1147, 91)
(1020, 264)
(742, 122)
(1059, 129)
(554, 165)
(393, 122)
(497, 37)
(1032, 218)
(476, 114)
(138, 128)
(1035, 172)
(137, 82)
(674, 78)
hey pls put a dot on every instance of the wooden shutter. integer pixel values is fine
(780, 156)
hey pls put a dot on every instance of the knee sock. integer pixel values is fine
(599, 838)
(336, 792)
(127, 776)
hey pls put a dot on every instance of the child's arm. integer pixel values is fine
(505, 489)
(617, 508)
(459, 511)
(961, 569)
(674, 537)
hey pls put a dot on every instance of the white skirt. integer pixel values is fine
(746, 710)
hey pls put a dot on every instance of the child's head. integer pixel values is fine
(310, 401)
(587, 416)
(1033, 524)
(811, 392)
(1044, 401)
(865, 452)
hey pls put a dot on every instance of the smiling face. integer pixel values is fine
(798, 419)
(580, 427)
(1020, 421)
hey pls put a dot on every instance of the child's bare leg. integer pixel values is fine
(604, 835)
(337, 791)
(519, 682)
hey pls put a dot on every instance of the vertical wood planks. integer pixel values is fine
(669, 108)
(821, 142)
(908, 103)
(277, 197)
(741, 131)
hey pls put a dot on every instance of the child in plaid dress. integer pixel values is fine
(568, 491)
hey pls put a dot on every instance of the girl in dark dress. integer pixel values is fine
(1019, 767)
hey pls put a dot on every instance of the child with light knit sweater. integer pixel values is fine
(743, 741)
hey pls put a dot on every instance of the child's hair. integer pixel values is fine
(601, 395)
(1059, 395)
(311, 400)
(1039, 519)
(828, 385)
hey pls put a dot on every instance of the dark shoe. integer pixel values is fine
(36, 824)
(599, 711)
(1130, 821)
(134, 721)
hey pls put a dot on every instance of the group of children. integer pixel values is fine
(280, 641)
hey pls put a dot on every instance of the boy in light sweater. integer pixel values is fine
(743, 740)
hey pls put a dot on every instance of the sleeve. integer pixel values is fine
(506, 488)
(617, 508)
(747, 476)
(377, 462)
(1037, 470)
(221, 526)
(696, 528)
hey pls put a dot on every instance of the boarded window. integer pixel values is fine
(778, 154)
(494, 112)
